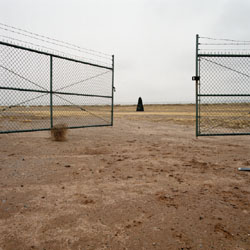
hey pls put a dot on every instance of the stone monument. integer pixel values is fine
(140, 105)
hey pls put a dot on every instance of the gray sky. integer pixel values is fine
(153, 40)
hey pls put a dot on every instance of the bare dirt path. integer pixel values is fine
(143, 184)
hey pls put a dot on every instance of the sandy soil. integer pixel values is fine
(146, 183)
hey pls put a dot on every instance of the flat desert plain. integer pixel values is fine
(145, 183)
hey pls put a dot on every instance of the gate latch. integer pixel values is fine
(195, 78)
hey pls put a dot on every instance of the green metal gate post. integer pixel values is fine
(196, 84)
(113, 89)
(51, 92)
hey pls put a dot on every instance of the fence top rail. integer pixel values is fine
(223, 55)
(53, 55)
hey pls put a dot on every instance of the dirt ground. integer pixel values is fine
(146, 183)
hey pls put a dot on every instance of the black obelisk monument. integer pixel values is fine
(140, 105)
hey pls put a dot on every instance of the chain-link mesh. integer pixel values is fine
(39, 90)
(223, 95)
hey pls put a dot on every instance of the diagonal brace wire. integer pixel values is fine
(22, 77)
(84, 80)
(81, 108)
(226, 67)
(18, 104)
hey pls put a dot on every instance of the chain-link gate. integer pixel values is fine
(222, 91)
(39, 90)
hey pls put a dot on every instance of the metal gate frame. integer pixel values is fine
(50, 92)
(199, 95)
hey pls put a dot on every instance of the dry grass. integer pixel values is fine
(174, 113)
(220, 115)
(59, 132)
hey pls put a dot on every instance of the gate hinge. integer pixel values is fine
(195, 78)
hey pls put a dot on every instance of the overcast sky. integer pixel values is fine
(153, 40)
